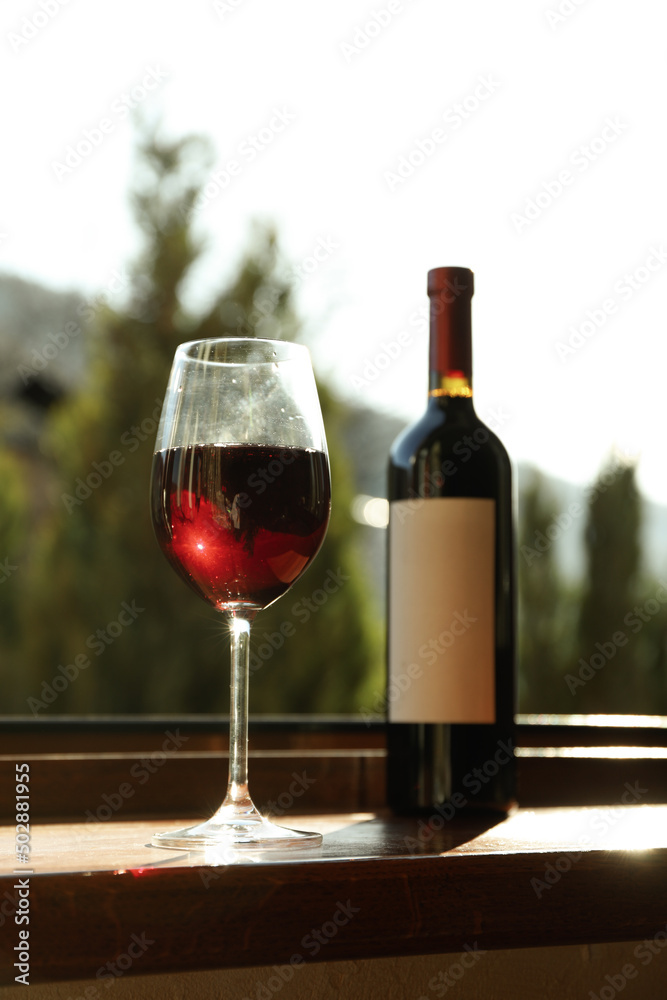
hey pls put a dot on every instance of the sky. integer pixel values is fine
(524, 140)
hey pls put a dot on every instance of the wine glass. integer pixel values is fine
(240, 500)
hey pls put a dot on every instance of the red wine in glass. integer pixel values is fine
(240, 523)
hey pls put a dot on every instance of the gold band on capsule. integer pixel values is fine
(453, 386)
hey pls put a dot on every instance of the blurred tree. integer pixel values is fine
(107, 613)
(547, 604)
(14, 549)
(655, 643)
(609, 666)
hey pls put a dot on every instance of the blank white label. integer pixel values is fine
(441, 610)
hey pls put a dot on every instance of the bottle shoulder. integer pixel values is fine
(453, 430)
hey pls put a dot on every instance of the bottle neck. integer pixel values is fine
(450, 362)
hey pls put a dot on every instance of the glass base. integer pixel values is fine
(236, 830)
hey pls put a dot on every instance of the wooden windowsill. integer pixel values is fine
(540, 877)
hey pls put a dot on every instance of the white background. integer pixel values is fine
(359, 104)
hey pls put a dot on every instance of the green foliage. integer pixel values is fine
(618, 638)
(14, 551)
(547, 605)
(599, 646)
(94, 554)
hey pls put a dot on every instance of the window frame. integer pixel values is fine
(561, 761)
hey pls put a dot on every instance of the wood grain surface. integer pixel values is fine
(379, 885)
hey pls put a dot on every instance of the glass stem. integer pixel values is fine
(238, 795)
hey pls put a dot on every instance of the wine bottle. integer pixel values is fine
(451, 601)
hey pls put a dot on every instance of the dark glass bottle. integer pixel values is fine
(451, 601)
